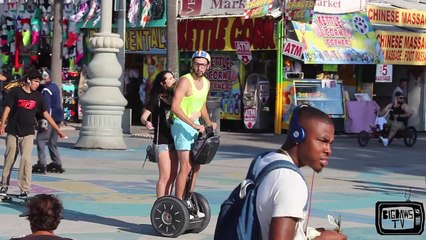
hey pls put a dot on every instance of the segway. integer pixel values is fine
(171, 216)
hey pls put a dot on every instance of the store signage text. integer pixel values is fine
(339, 6)
(250, 117)
(143, 40)
(339, 39)
(329, 3)
(384, 73)
(211, 7)
(220, 73)
(293, 49)
(300, 10)
(397, 16)
(403, 48)
(257, 8)
(243, 51)
(149, 40)
(333, 30)
(221, 33)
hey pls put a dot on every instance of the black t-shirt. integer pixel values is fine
(165, 135)
(398, 111)
(44, 237)
(23, 109)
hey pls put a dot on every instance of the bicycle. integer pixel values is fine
(380, 128)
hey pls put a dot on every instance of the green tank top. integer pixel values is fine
(195, 102)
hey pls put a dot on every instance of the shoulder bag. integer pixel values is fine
(151, 150)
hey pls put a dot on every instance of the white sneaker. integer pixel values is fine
(200, 214)
(189, 204)
(385, 141)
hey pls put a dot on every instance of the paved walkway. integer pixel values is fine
(108, 195)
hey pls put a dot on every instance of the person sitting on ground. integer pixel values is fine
(44, 214)
(283, 193)
(398, 116)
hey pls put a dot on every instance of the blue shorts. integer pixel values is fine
(183, 135)
(164, 147)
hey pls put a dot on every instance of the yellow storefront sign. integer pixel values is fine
(396, 16)
(403, 48)
(145, 41)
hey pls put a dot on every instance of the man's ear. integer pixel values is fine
(28, 81)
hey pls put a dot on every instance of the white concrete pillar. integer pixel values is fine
(103, 103)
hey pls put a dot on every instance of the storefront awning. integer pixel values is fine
(339, 39)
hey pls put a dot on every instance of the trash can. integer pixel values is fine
(213, 108)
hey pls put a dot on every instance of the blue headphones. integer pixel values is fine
(297, 134)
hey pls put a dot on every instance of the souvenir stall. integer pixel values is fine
(26, 40)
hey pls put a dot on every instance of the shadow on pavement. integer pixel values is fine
(385, 188)
(145, 229)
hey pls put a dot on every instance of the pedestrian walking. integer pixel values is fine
(46, 134)
(282, 197)
(22, 104)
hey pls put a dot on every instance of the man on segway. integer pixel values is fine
(190, 97)
(188, 211)
(400, 112)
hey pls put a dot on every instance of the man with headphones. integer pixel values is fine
(282, 197)
(22, 105)
(45, 134)
(189, 102)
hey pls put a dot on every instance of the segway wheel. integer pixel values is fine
(410, 136)
(169, 216)
(204, 207)
(363, 138)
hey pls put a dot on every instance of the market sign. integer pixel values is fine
(293, 49)
(403, 48)
(196, 8)
(384, 73)
(243, 51)
(299, 10)
(339, 6)
(339, 39)
(203, 8)
(397, 16)
(257, 8)
(220, 34)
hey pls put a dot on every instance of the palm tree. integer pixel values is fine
(56, 61)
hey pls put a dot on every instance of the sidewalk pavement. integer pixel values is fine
(108, 195)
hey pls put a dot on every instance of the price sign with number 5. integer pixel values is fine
(384, 73)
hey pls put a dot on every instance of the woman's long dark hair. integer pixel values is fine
(157, 88)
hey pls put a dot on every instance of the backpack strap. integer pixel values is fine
(250, 174)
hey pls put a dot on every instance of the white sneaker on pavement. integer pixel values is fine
(385, 141)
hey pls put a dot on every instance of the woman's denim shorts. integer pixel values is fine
(164, 147)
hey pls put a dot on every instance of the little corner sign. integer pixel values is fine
(293, 49)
